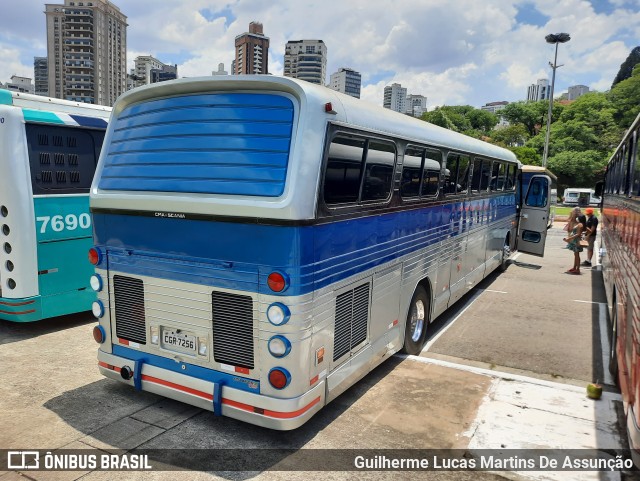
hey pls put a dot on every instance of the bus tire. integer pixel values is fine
(613, 352)
(504, 256)
(415, 331)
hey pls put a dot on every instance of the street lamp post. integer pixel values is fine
(552, 38)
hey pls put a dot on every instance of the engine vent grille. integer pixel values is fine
(352, 319)
(232, 329)
(129, 300)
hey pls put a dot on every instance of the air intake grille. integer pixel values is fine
(232, 329)
(129, 301)
(352, 316)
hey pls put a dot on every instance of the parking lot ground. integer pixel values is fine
(480, 383)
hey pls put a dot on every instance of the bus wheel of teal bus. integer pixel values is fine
(506, 252)
(417, 320)
(613, 356)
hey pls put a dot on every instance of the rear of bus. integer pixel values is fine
(201, 243)
(48, 154)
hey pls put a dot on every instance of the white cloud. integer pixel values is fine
(453, 52)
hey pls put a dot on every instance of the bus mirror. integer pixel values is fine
(599, 188)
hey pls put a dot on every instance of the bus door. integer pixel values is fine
(534, 216)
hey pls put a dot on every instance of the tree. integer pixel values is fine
(510, 136)
(625, 99)
(527, 155)
(462, 118)
(530, 114)
(577, 169)
(626, 69)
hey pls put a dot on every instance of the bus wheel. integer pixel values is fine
(613, 356)
(504, 259)
(417, 320)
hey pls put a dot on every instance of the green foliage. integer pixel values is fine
(575, 169)
(625, 99)
(527, 155)
(462, 118)
(529, 114)
(627, 66)
(510, 136)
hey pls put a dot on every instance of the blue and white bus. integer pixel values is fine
(49, 150)
(261, 243)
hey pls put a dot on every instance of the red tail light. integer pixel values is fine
(279, 377)
(94, 256)
(277, 282)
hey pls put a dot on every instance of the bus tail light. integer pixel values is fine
(277, 281)
(279, 346)
(279, 377)
(99, 335)
(94, 256)
(278, 314)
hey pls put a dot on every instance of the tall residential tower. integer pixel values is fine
(395, 98)
(252, 52)
(346, 81)
(86, 51)
(306, 60)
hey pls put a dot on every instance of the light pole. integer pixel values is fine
(552, 38)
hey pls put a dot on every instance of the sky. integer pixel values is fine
(454, 52)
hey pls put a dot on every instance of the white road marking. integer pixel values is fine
(470, 302)
(508, 376)
(490, 290)
(590, 302)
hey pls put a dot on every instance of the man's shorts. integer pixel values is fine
(591, 240)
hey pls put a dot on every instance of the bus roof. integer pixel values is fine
(29, 102)
(354, 112)
(536, 169)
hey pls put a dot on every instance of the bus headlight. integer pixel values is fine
(278, 314)
(96, 282)
(279, 346)
(98, 309)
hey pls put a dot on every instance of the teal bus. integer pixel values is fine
(49, 149)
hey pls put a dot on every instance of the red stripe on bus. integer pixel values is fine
(13, 304)
(179, 387)
(123, 341)
(18, 313)
(229, 402)
(269, 413)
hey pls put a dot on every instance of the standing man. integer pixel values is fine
(590, 234)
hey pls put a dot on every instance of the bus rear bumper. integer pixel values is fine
(265, 411)
(28, 309)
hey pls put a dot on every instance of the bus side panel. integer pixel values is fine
(18, 246)
(63, 227)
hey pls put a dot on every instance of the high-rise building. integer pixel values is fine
(252, 52)
(538, 91)
(346, 81)
(395, 98)
(149, 70)
(416, 105)
(19, 84)
(306, 60)
(40, 76)
(86, 51)
(495, 108)
(220, 71)
(576, 91)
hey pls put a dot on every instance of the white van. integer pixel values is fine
(580, 197)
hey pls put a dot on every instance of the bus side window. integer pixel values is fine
(431, 177)
(411, 172)
(451, 174)
(463, 174)
(378, 178)
(495, 174)
(344, 168)
(511, 178)
(476, 175)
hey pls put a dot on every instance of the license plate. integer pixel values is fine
(178, 341)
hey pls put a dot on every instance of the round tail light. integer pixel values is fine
(94, 256)
(99, 335)
(279, 377)
(277, 282)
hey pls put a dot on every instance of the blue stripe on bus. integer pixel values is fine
(223, 143)
(5, 97)
(241, 256)
(89, 121)
(231, 380)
